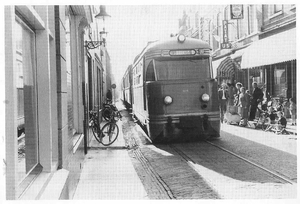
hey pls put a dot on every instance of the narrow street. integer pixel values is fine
(208, 95)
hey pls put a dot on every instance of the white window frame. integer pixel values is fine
(35, 19)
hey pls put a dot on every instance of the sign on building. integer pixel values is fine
(236, 11)
(225, 44)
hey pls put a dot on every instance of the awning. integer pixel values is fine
(271, 50)
(223, 67)
(237, 54)
(215, 65)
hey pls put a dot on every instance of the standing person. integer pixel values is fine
(293, 110)
(238, 87)
(231, 93)
(257, 97)
(223, 97)
(109, 95)
(266, 98)
(243, 106)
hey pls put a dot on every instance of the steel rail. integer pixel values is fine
(275, 174)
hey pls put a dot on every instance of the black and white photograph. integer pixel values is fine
(149, 101)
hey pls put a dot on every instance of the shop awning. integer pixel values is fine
(271, 50)
(223, 67)
(215, 65)
(237, 54)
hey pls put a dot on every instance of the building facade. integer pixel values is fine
(52, 80)
(261, 45)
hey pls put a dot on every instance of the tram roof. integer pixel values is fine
(173, 43)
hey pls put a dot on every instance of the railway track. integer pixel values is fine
(192, 163)
(204, 170)
(273, 173)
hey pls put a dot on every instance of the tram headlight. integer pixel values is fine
(168, 100)
(181, 38)
(205, 97)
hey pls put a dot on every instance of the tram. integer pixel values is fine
(172, 92)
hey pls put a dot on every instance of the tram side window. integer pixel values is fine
(150, 75)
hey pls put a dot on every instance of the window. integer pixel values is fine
(27, 134)
(182, 69)
(280, 85)
(251, 20)
(277, 8)
(280, 77)
(150, 75)
(70, 76)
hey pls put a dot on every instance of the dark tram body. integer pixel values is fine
(172, 92)
(126, 88)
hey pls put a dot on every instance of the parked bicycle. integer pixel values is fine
(108, 110)
(110, 131)
(93, 122)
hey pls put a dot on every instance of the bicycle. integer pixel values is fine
(93, 123)
(108, 111)
(110, 131)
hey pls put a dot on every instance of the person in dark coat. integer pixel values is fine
(109, 95)
(223, 98)
(257, 97)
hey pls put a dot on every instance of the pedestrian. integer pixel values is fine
(281, 123)
(109, 95)
(272, 115)
(223, 98)
(243, 106)
(238, 86)
(293, 110)
(257, 97)
(266, 98)
(231, 93)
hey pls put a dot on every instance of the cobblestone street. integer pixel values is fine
(208, 172)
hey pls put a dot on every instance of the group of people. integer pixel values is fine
(235, 98)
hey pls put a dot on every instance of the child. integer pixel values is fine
(293, 110)
(281, 123)
(272, 115)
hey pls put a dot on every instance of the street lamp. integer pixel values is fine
(95, 44)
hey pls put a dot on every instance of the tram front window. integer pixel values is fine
(182, 69)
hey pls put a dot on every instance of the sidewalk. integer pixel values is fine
(108, 174)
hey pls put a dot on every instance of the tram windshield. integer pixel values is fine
(159, 70)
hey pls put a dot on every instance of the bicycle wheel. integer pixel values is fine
(106, 113)
(109, 133)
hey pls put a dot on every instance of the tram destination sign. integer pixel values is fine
(182, 52)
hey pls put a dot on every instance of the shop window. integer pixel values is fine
(280, 77)
(27, 134)
(280, 85)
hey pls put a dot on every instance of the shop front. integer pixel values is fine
(272, 61)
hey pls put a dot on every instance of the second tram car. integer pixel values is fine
(172, 91)
(127, 88)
